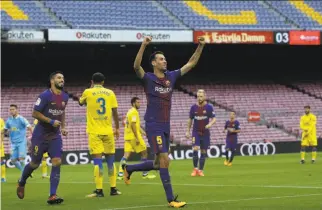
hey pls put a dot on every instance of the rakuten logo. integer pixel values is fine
(163, 90)
(18, 35)
(155, 36)
(309, 38)
(94, 35)
(200, 117)
(56, 112)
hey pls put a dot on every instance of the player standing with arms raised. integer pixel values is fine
(200, 113)
(17, 126)
(158, 87)
(308, 127)
(232, 128)
(101, 108)
(49, 110)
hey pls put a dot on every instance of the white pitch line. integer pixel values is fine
(204, 185)
(222, 201)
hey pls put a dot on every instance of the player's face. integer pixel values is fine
(307, 110)
(58, 81)
(232, 115)
(13, 111)
(137, 104)
(160, 62)
(201, 97)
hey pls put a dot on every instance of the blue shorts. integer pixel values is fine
(18, 150)
(231, 144)
(39, 146)
(202, 141)
(158, 135)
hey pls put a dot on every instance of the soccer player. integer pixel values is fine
(308, 127)
(101, 107)
(49, 110)
(133, 138)
(3, 161)
(200, 113)
(158, 87)
(17, 126)
(232, 128)
(44, 167)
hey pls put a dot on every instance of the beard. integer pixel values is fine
(59, 87)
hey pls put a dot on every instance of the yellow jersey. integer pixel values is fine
(35, 122)
(2, 124)
(308, 122)
(131, 117)
(99, 103)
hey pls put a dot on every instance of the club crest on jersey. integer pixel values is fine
(204, 111)
(167, 83)
(63, 103)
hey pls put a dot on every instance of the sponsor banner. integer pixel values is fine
(235, 37)
(305, 37)
(118, 35)
(22, 36)
(254, 116)
(185, 152)
(157, 36)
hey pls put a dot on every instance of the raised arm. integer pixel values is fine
(138, 59)
(194, 58)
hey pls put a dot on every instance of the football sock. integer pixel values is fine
(25, 174)
(22, 163)
(3, 169)
(195, 158)
(111, 169)
(44, 167)
(202, 161)
(98, 173)
(314, 151)
(144, 172)
(145, 166)
(54, 179)
(165, 178)
(302, 153)
(227, 155)
(18, 165)
(232, 156)
(123, 161)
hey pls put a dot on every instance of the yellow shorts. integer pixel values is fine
(307, 141)
(99, 144)
(2, 151)
(45, 155)
(131, 146)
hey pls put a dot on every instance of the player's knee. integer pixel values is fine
(203, 151)
(56, 162)
(314, 149)
(195, 148)
(34, 165)
(303, 149)
(144, 154)
(164, 160)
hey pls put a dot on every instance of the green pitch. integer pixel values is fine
(252, 183)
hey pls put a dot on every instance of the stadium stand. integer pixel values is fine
(314, 89)
(236, 15)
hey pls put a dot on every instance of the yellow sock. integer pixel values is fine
(98, 178)
(112, 176)
(313, 155)
(302, 155)
(3, 171)
(44, 167)
(120, 169)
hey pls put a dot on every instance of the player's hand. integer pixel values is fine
(147, 40)
(201, 40)
(188, 136)
(56, 123)
(117, 133)
(208, 126)
(64, 132)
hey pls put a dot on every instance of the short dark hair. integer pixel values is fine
(307, 106)
(153, 55)
(134, 99)
(14, 105)
(54, 74)
(98, 77)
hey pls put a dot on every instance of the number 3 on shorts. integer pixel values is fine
(159, 139)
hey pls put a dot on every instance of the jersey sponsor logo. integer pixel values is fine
(56, 112)
(257, 148)
(63, 103)
(163, 90)
(38, 102)
(200, 117)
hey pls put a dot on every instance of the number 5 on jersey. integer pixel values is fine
(159, 140)
(101, 102)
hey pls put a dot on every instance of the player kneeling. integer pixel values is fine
(133, 138)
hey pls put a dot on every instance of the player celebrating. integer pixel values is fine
(3, 161)
(17, 126)
(44, 167)
(308, 127)
(101, 106)
(158, 87)
(133, 138)
(49, 110)
(200, 113)
(232, 129)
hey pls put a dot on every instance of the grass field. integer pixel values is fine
(252, 183)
